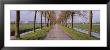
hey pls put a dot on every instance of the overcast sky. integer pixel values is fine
(28, 15)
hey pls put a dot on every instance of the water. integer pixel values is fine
(84, 31)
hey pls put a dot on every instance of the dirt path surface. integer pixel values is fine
(57, 34)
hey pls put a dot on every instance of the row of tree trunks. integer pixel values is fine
(17, 32)
(64, 22)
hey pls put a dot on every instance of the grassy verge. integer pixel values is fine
(77, 35)
(38, 35)
(95, 28)
(23, 28)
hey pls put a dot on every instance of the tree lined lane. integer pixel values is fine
(51, 18)
(57, 34)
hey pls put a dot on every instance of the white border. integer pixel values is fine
(59, 43)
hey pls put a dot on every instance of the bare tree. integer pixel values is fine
(90, 22)
(17, 34)
(35, 21)
(72, 18)
(41, 18)
(45, 18)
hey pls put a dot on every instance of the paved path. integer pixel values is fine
(57, 34)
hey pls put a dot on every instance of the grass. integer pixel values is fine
(23, 27)
(38, 35)
(95, 28)
(77, 35)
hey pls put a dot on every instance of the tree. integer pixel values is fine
(64, 17)
(45, 18)
(35, 21)
(47, 12)
(90, 22)
(48, 23)
(17, 34)
(72, 18)
(41, 18)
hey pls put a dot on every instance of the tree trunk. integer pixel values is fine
(66, 22)
(45, 18)
(41, 18)
(17, 34)
(72, 19)
(90, 22)
(48, 23)
(35, 21)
